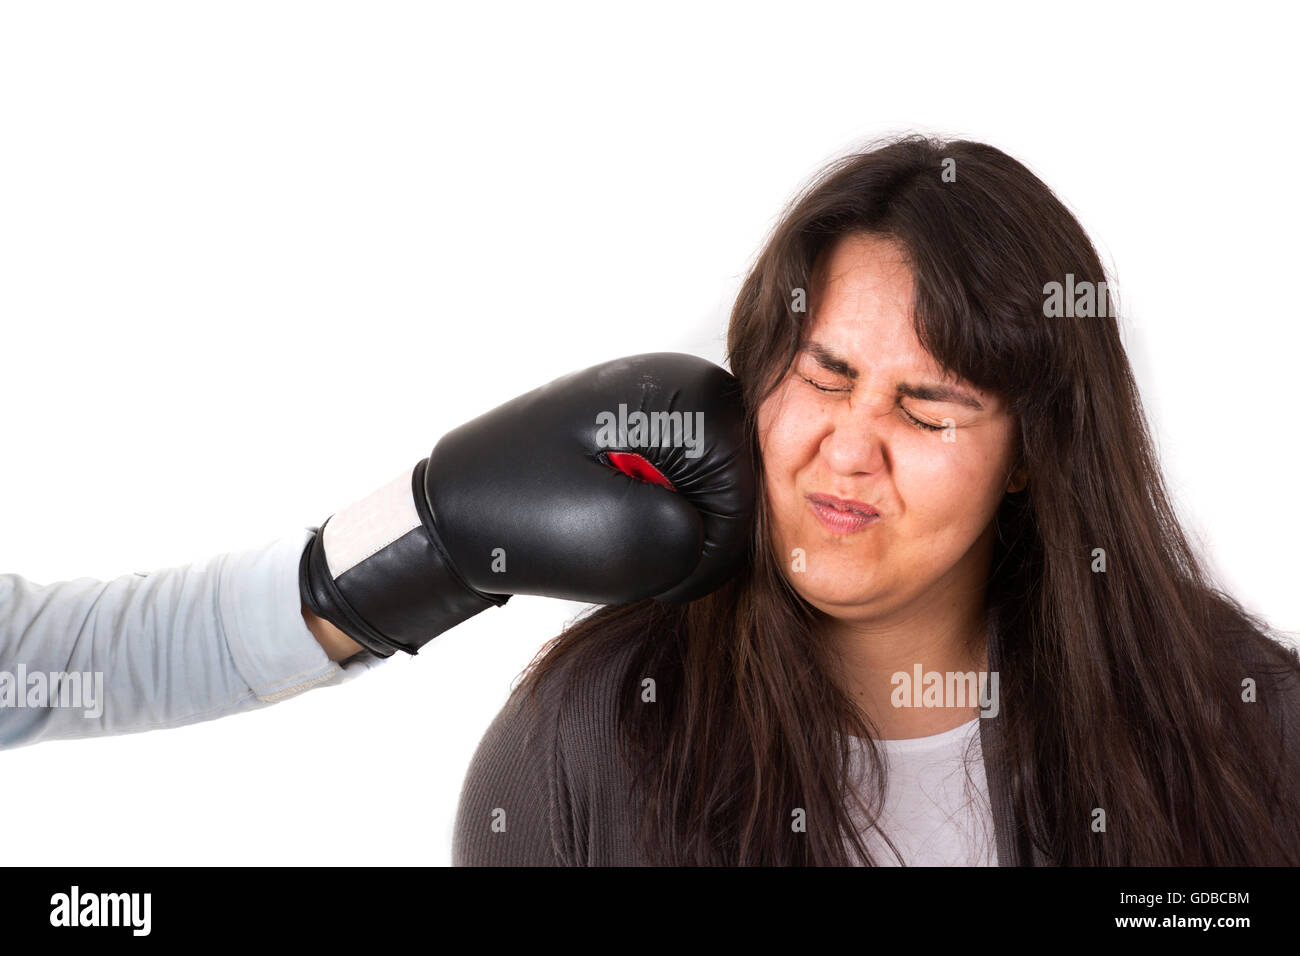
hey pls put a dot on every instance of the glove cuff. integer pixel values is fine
(378, 571)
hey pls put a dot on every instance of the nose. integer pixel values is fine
(854, 444)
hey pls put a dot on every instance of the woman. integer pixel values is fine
(958, 479)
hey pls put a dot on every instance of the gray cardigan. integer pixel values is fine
(549, 788)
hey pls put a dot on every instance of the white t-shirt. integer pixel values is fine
(933, 813)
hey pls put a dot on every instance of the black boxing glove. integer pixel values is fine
(625, 481)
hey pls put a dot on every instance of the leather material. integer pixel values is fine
(528, 481)
(526, 499)
(399, 598)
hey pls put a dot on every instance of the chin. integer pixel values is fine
(838, 598)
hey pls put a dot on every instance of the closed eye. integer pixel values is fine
(918, 423)
(912, 419)
(823, 388)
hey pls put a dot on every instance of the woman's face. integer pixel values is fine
(865, 416)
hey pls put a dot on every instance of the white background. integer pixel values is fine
(256, 257)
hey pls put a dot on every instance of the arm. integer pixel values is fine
(336, 645)
(163, 649)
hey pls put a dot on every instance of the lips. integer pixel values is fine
(842, 515)
(843, 504)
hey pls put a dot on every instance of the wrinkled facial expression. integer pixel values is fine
(866, 416)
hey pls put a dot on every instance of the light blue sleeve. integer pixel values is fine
(171, 647)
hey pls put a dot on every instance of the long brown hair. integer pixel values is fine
(1121, 690)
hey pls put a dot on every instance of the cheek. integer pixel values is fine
(952, 489)
(786, 436)
(788, 442)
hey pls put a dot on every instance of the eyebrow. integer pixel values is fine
(922, 391)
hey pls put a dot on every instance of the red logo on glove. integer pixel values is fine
(634, 466)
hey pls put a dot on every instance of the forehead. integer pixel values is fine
(862, 305)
